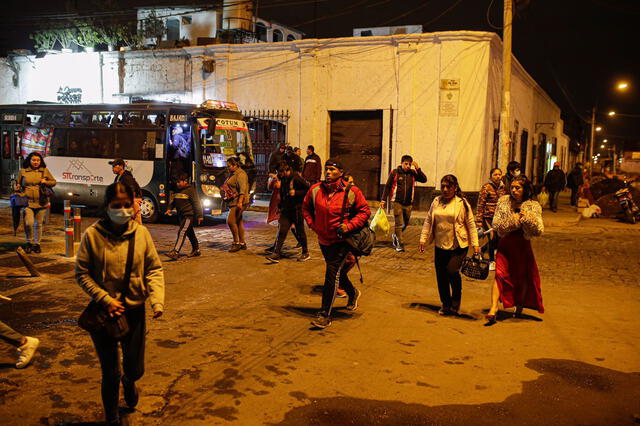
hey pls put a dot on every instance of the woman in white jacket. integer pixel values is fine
(450, 224)
(100, 271)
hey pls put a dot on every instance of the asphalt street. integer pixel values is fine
(235, 344)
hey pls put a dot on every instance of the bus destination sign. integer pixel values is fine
(177, 117)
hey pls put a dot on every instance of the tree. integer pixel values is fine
(153, 27)
(65, 36)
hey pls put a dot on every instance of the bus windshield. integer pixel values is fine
(230, 139)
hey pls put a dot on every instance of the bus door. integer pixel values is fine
(180, 147)
(9, 156)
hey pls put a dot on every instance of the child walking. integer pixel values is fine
(187, 204)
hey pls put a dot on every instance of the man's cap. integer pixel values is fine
(334, 163)
(117, 162)
(556, 164)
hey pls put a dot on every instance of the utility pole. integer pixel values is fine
(592, 139)
(505, 113)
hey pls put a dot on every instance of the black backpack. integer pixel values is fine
(362, 239)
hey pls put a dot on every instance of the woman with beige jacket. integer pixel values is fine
(32, 176)
(450, 225)
(102, 264)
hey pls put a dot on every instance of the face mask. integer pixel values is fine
(516, 173)
(119, 216)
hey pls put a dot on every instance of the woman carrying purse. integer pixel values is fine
(118, 266)
(450, 225)
(34, 179)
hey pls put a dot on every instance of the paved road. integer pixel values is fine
(235, 346)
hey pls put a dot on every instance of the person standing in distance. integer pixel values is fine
(400, 188)
(101, 271)
(554, 182)
(513, 170)
(312, 170)
(125, 177)
(574, 181)
(237, 186)
(275, 157)
(322, 209)
(189, 209)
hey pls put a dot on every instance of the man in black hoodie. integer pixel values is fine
(293, 189)
(187, 204)
(123, 175)
(400, 189)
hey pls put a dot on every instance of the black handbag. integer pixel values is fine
(475, 267)
(96, 319)
(362, 239)
(45, 193)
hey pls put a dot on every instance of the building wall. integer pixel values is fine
(400, 75)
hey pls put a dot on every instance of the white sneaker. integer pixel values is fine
(492, 266)
(26, 352)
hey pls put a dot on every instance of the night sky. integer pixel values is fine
(575, 49)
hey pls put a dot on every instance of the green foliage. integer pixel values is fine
(65, 37)
(87, 34)
(153, 27)
(130, 35)
(44, 39)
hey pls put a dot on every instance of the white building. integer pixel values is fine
(368, 100)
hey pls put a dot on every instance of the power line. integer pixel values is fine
(450, 8)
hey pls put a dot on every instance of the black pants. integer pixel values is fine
(335, 256)
(186, 231)
(132, 357)
(288, 218)
(574, 196)
(448, 263)
(553, 200)
(492, 245)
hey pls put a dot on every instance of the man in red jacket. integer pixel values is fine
(322, 210)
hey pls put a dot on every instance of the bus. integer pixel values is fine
(157, 140)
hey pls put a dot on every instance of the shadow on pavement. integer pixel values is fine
(435, 308)
(566, 393)
(337, 313)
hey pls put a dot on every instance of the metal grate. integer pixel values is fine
(268, 129)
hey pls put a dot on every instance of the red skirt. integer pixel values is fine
(517, 273)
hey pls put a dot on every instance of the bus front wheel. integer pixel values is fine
(148, 209)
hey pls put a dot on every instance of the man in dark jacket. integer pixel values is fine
(574, 181)
(312, 170)
(322, 209)
(187, 204)
(292, 192)
(275, 158)
(122, 175)
(554, 183)
(400, 189)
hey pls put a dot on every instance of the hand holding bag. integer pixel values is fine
(380, 223)
(95, 318)
(475, 267)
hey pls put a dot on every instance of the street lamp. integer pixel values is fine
(601, 146)
(612, 113)
(598, 129)
(623, 85)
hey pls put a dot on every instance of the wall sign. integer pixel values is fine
(449, 97)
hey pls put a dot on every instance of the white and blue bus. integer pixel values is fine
(156, 140)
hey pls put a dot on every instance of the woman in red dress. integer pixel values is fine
(518, 218)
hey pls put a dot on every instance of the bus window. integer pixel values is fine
(6, 145)
(91, 143)
(136, 144)
(35, 139)
(80, 119)
(59, 143)
(102, 118)
(46, 118)
(179, 149)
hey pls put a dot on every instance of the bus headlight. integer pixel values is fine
(206, 202)
(210, 190)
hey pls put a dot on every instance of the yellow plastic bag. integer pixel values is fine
(543, 199)
(380, 223)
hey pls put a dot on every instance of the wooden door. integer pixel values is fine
(356, 141)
